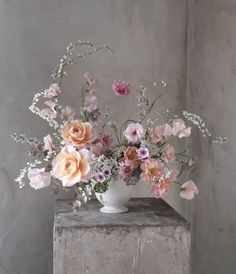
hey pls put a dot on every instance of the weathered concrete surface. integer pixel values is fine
(149, 38)
(212, 93)
(151, 238)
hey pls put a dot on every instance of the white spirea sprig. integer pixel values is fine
(198, 121)
(25, 170)
(36, 110)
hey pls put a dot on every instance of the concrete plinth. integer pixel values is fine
(149, 239)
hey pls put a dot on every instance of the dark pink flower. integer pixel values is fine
(121, 88)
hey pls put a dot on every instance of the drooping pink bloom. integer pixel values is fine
(48, 143)
(134, 133)
(67, 113)
(121, 88)
(179, 129)
(169, 152)
(160, 132)
(91, 79)
(39, 178)
(161, 189)
(188, 190)
(91, 101)
(52, 91)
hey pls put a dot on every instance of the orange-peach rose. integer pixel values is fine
(71, 166)
(77, 133)
(151, 170)
(131, 156)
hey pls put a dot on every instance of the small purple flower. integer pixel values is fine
(106, 172)
(143, 153)
(100, 177)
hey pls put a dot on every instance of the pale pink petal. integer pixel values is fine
(188, 190)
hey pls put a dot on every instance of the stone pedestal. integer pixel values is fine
(149, 239)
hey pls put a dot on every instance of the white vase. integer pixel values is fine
(116, 197)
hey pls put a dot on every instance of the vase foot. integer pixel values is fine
(110, 209)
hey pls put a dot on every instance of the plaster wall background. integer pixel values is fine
(149, 38)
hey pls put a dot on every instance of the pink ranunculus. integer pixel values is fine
(67, 113)
(91, 79)
(134, 133)
(91, 101)
(188, 190)
(125, 169)
(179, 129)
(169, 152)
(48, 143)
(161, 189)
(52, 91)
(160, 132)
(39, 178)
(121, 88)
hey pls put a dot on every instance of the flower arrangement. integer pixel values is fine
(89, 151)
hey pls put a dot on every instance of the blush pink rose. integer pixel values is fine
(52, 91)
(91, 79)
(169, 152)
(160, 132)
(134, 133)
(39, 178)
(179, 129)
(121, 88)
(188, 190)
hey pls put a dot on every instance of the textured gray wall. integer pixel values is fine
(149, 38)
(211, 92)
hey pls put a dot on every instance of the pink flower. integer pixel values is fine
(160, 132)
(91, 101)
(179, 129)
(96, 148)
(100, 177)
(51, 112)
(121, 88)
(91, 79)
(169, 152)
(52, 91)
(39, 178)
(188, 190)
(134, 132)
(161, 189)
(48, 143)
(125, 169)
(67, 113)
(151, 170)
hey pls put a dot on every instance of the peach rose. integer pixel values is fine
(151, 170)
(71, 166)
(77, 133)
(131, 156)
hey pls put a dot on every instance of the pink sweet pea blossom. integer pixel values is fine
(188, 190)
(161, 189)
(51, 112)
(160, 132)
(52, 91)
(91, 79)
(91, 101)
(39, 178)
(67, 113)
(134, 133)
(48, 143)
(121, 88)
(169, 152)
(179, 129)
